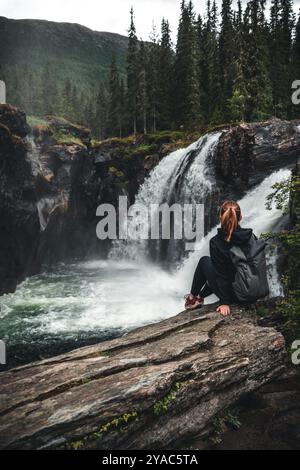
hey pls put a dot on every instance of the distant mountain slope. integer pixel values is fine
(69, 51)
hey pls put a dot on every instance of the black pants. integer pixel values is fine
(204, 282)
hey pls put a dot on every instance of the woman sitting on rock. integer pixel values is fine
(235, 271)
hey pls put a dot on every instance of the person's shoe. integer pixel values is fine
(193, 301)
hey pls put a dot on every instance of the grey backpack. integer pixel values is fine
(250, 282)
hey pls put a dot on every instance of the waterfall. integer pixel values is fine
(255, 216)
(185, 177)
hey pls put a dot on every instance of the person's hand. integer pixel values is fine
(224, 310)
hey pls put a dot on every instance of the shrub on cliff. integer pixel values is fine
(286, 196)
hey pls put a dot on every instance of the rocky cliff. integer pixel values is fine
(157, 387)
(248, 152)
(19, 221)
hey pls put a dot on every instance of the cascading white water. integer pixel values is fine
(255, 216)
(184, 176)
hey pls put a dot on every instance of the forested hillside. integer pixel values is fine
(57, 68)
(226, 66)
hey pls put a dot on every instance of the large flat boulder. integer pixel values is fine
(155, 387)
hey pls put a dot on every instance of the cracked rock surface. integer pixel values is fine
(156, 387)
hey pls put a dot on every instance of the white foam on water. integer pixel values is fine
(255, 216)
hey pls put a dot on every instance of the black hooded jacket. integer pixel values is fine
(220, 256)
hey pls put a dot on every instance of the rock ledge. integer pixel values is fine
(155, 387)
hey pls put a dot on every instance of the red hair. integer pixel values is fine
(230, 215)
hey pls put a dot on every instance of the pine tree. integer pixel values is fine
(237, 102)
(122, 109)
(288, 23)
(296, 65)
(296, 51)
(259, 96)
(165, 69)
(201, 58)
(226, 50)
(143, 99)
(132, 73)
(114, 98)
(186, 71)
(281, 29)
(152, 65)
(101, 115)
(276, 52)
(210, 66)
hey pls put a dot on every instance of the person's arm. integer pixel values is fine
(220, 263)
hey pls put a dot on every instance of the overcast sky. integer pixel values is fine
(103, 15)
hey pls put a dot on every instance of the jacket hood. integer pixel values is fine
(240, 236)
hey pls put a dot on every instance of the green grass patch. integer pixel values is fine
(144, 150)
(67, 139)
(34, 121)
(230, 419)
(163, 405)
(114, 424)
(114, 171)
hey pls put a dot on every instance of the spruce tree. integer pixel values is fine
(295, 109)
(101, 114)
(281, 30)
(165, 69)
(237, 102)
(186, 71)
(226, 50)
(259, 96)
(122, 109)
(114, 98)
(296, 51)
(152, 65)
(288, 23)
(275, 54)
(132, 73)
(210, 69)
(142, 98)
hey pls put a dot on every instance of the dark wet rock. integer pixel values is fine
(153, 388)
(269, 419)
(14, 119)
(19, 226)
(247, 153)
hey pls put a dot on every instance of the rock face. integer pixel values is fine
(270, 418)
(248, 152)
(59, 153)
(156, 387)
(19, 222)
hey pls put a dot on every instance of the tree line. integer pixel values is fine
(228, 66)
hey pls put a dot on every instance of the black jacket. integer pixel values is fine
(224, 268)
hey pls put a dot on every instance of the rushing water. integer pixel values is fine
(82, 303)
(184, 177)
